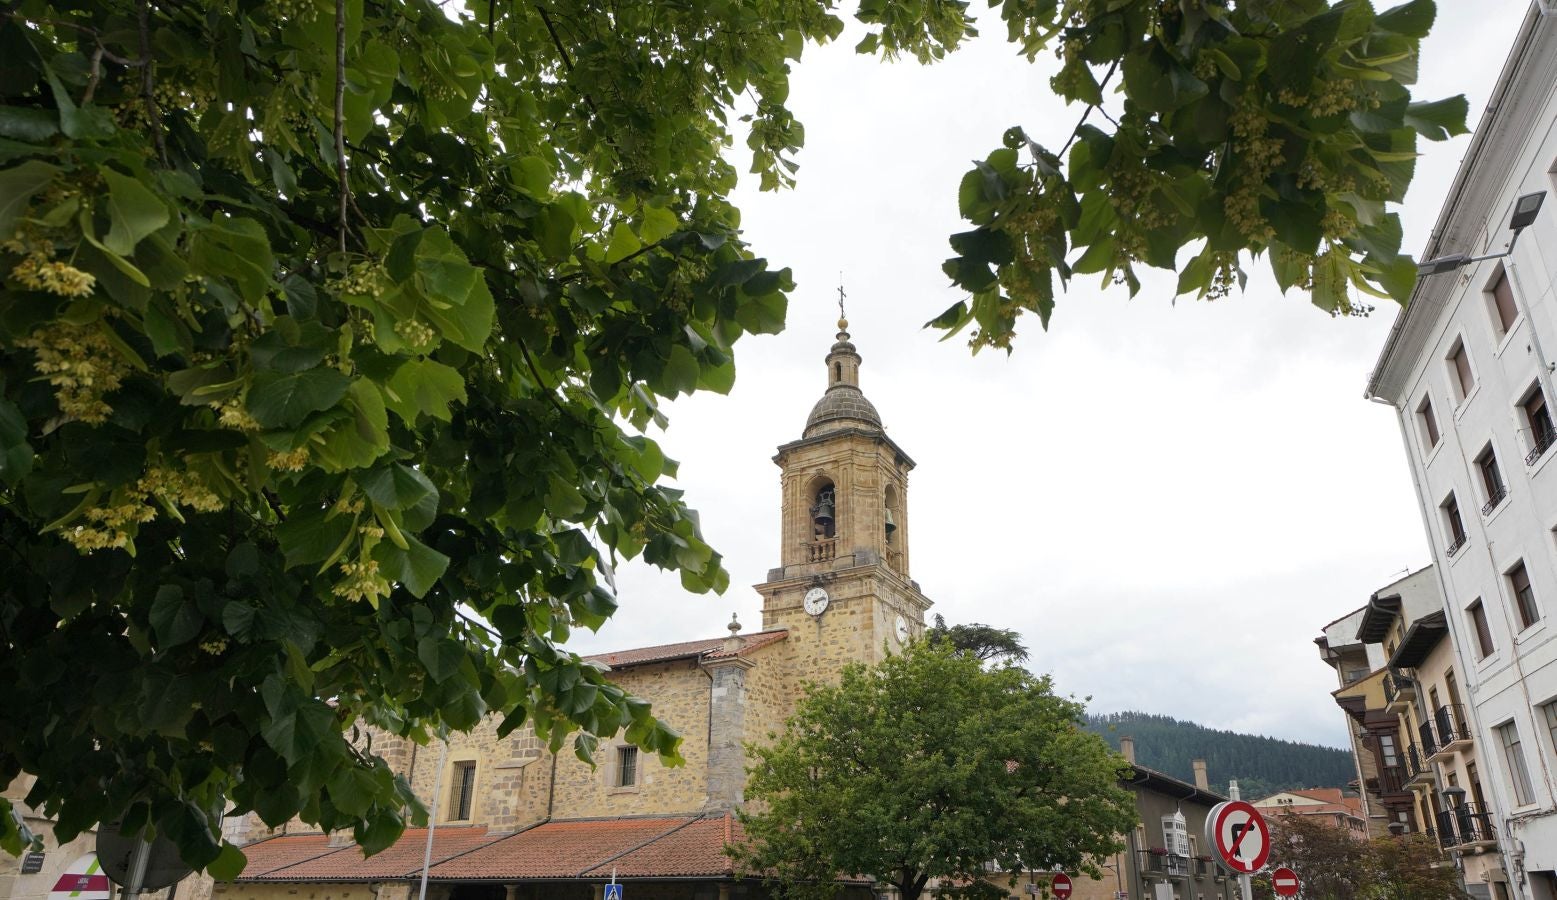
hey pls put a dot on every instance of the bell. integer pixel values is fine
(891, 525)
(822, 512)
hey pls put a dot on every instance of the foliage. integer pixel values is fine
(1259, 127)
(985, 642)
(928, 766)
(1262, 765)
(330, 331)
(1331, 864)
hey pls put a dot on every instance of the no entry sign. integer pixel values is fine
(1060, 885)
(1238, 833)
(1284, 882)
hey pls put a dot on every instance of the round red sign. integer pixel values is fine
(1060, 885)
(1238, 832)
(1284, 882)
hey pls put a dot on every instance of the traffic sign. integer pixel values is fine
(164, 865)
(1238, 832)
(1284, 882)
(82, 880)
(1061, 885)
(613, 892)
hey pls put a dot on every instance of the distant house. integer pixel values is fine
(1329, 805)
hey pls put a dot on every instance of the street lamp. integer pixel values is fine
(1525, 210)
(1454, 794)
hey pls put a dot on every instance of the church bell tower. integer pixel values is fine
(843, 588)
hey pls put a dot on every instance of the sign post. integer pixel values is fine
(1061, 886)
(1242, 841)
(1284, 882)
(613, 891)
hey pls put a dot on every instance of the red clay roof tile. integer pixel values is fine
(709, 648)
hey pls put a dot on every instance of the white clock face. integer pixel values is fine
(816, 601)
(902, 630)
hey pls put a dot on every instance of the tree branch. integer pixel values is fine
(340, 118)
(1077, 130)
(153, 115)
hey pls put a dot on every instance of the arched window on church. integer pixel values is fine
(893, 515)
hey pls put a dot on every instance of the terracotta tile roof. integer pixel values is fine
(693, 850)
(309, 857)
(710, 648)
(270, 854)
(567, 849)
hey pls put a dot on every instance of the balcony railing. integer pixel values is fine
(1463, 825)
(1449, 719)
(1454, 547)
(1170, 864)
(1397, 691)
(1416, 765)
(822, 550)
(1391, 780)
(1429, 746)
(1494, 500)
(1544, 438)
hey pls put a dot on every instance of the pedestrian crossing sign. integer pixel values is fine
(613, 892)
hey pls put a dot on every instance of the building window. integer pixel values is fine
(626, 766)
(1459, 362)
(1514, 756)
(1387, 754)
(1524, 596)
(1424, 414)
(1478, 617)
(1549, 711)
(1451, 514)
(1491, 479)
(1503, 303)
(464, 791)
(1539, 420)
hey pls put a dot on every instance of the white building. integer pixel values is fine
(1469, 367)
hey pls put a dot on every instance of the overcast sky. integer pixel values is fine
(1167, 501)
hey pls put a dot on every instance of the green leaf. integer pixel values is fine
(418, 568)
(228, 864)
(424, 387)
(174, 618)
(17, 186)
(1412, 19)
(236, 249)
(359, 439)
(441, 656)
(16, 455)
(623, 244)
(133, 212)
(1438, 120)
(27, 123)
(396, 486)
(280, 400)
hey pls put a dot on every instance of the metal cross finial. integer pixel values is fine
(841, 296)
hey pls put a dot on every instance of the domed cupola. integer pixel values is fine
(843, 405)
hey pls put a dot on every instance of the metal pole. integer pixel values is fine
(137, 874)
(1245, 885)
(432, 820)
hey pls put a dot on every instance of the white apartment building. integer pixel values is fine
(1468, 367)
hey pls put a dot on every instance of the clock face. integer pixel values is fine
(816, 601)
(902, 630)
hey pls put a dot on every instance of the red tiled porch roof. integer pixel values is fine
(638, 848)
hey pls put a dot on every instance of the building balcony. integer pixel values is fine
(1398, 694)
(1455, 545)
(822, 550)
(1165, 865)
(1418, 772)
(1496, 497)
(1453, 730)
(1465, 827)
(1389, 780)
(1544, 438)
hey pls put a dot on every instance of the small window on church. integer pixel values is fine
(626, 766)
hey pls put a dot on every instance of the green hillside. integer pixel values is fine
(1262, 765)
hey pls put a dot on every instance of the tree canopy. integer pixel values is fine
(330, 331)
(1333, 864)
(929, 765)
(985, 642)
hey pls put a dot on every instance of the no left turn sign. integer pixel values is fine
(1238, 832)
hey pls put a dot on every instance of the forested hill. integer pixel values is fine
(1262, 765)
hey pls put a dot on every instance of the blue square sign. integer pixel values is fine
(613, 892)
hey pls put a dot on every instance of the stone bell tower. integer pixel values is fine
(843, 589)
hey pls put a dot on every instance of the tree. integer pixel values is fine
(928, 766)
(1333, 864)
(984, 642)
(1274, 128)
(330, 331)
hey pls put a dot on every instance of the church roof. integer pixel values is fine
(841, 406)
(634, 847)
(709, 648)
